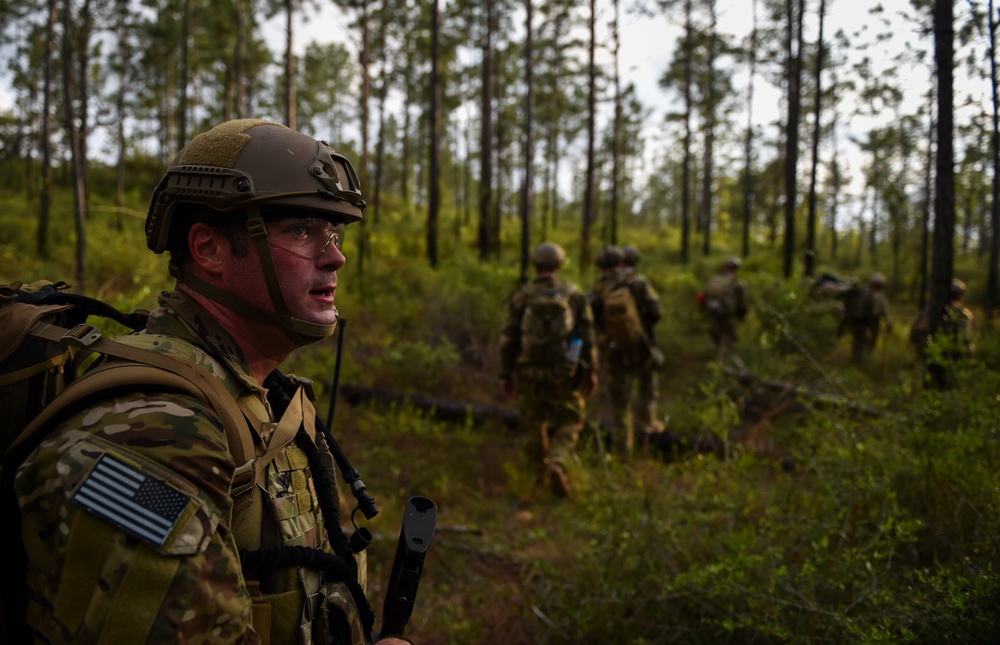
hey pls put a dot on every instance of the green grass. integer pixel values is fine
(822, 524)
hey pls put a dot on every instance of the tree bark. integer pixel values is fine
(76, 157)
(527, 193)
(810, 255)
(434, 174)
(45, 199)
(993, 281)
(944, 184)
(794, 42)
(486, 136)
(590, 197)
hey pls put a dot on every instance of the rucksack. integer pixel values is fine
(859, 304)
(547, 325)
(720, 296)
(621, 317)
(44, 337)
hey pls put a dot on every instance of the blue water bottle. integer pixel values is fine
(574, 349)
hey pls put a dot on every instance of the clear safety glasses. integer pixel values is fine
(307, 237)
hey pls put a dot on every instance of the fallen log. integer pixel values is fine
(440, 408)
(745, 377)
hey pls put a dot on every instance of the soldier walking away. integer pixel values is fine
(626, 310)
(724, 302)
(138, 523)
(866, 311)
(955, 330)
(548, 360)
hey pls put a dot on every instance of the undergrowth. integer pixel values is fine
(844, 504)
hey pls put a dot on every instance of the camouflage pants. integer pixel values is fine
(863, 339)
(724, 334)
(552, 412)
(632, 385)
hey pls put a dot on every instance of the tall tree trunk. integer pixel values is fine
(239, 63)
(383, 94)
(76, 156)
(748, 141)
(185, 80)
(124, 54)
(590, 198)
(708, 174)
(365, 56)
(486, 137)
(688, 135)
(45, 199)
(810, 257)
(794, 15)
(290, 116)
(928, 191)
(944, 188)
(527, 193)
(993, 282)
(616, 134)
(86, 28)
(434, 174)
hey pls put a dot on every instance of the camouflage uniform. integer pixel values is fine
(864, 328)
(549, 398)
(90, 580)
(631, 371)
(724, 329)
(956, 328)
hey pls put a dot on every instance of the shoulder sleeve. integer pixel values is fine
(148, 557)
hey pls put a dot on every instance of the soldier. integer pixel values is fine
(626, 308)
(549, 361)
(255, 250)
(724, 302)
(865, 313)
(955, 328)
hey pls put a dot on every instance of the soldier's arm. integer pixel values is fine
(510, 335)
(114, 571)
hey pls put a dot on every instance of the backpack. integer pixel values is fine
(547, 325)
(859, 304)
(621, 317)
(720, 296)
(44, 339)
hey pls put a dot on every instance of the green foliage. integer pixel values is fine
(866, 515)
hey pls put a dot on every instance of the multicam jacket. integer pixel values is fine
(513, 360)
(104, 565)
(647, 301)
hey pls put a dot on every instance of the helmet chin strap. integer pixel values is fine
(298, 330)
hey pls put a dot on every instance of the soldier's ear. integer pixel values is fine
(209, 249)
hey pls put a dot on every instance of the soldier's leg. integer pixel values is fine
(646, 398)
(621, 384)
(564, 432)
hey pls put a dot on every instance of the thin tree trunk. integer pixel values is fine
(928, 191)
(708, 174)
(45, 199)
(73, 137)
(616, 135)
(795, 11)
(810, 257)
(748, 142)
(686, 163)
(590, 198)
(944, 193)
(290, 116)
(527, 194)
(486, 138)
(993, 281)
(434, 174)
(239, 64)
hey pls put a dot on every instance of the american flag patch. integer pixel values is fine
(134, 502)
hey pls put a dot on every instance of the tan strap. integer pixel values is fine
(188, 378)
(284, 433)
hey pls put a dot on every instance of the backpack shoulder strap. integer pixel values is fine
(146, 368)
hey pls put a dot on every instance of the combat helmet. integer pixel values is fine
(631, 255)
(609, 257)
(957, 289)
(731, 263)
(876, 281)
(548, 256)
(238, 168)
